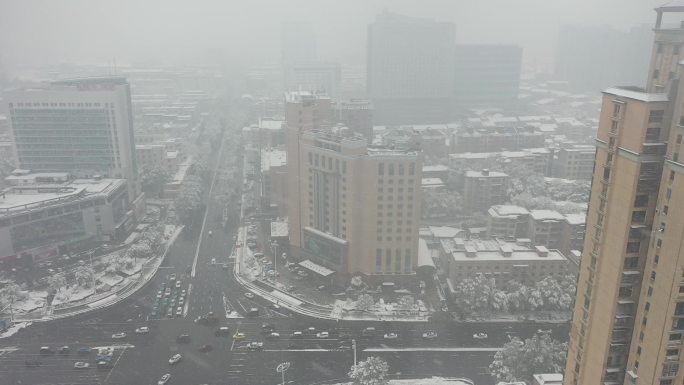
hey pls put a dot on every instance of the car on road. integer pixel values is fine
(273, 335)
(222, 331)
(249, 295)
(174, 359)
(172, 277)
(119, 336)
(239, 336)
(267, 327)
(64, 350)
(84, 350)
(179, 311)
(322, 335)
(181, 301)
(178, 284)
(160, 294)
(311, 330)
(81, 365)
(183, 293)
(213, 261)
(103, 364)
(142, 330)
(391, 336)
(297, 334)
(253, 312)
(480, 336)
(211, 233)
(368, 332)
(169, 312)
(254, 345)
(44, 350)
(183, 338)
(206, 348)
(167, 292)
(164, 379)
(430, 335)
(302, 273)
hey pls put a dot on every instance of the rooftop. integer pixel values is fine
(546, 215)
(271, 124)
(485, 174)
(498, 250)
(507, 211)
(636, 94)
(272, 158)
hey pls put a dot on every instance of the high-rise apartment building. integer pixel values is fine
(82, 126)
(410, 69)
(486, 75)
(352, 208)
(628, 325)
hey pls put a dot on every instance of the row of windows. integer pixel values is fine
(53, 104)
(400, 169)
(321, 161)
(392, 261)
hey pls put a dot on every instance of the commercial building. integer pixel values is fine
(357, 114)
(410, 69)
(44, 215)
(505, 261)
(628, 324)
(486, 76)
(482, 189)
(81, 126)
(574, 162)
(274, 180)
(352, 208)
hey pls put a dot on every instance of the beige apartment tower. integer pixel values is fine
(352, 208)
(628, 325)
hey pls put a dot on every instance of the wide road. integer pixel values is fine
(143, 358)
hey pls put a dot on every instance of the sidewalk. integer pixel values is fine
(129, 286)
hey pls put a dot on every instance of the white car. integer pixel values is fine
(174, 359)
(179, 311)
(322, 335)
(249, 295)
(81, 365)
(119, 336)
(213, 261)
(178, 284)
(430, 335)
(142, 330)
(164, 379)
(480, 336)
(391, 336)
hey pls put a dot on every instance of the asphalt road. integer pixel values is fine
(143, 359)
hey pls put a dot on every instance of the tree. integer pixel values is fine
(406, 302)
(153, 180)
(519, 360)
(85, 276)
(475, 294)
(56, 282)
(372, 371)
(140, 250)
(441, 203)
(365, 302)
(9, 294)
(189, 198)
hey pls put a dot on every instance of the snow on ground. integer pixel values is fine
(14, 329)
(35, 300)
(72, 294)
(111, 280)
(134, 269)
(428, 381)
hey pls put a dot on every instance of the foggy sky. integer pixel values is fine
(39, 32)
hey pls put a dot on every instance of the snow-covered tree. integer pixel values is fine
(84, 276)
(56, 282)
(406, 302)
(372, 371)
(441, 203)
(10, 293)
(140, 250)
(189, 198)
(152, 180)
(365, 302)
(519, 360)
(475, 294)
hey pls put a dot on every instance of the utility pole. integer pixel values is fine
(354, 347)
(282, 368)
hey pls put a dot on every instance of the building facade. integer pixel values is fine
(628, 324)
(82, 126)
(483, 189)
(410, 69)
(574, 162)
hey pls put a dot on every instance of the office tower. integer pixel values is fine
(486, 76)
(628, 322)
(352, 208)
(592, 58)
(357, 114)
(410, 69)
(298, 43)
(82, 126)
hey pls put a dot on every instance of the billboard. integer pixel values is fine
(326, 248)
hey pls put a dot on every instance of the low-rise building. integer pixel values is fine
(573, 233)
(507, 221)
(47, 214)
(266, 133)
(538, 160)
(150, 156)
(574, 162)
(546, 228)
(520, 260)
(483, 189)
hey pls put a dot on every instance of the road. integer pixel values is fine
(142, 359)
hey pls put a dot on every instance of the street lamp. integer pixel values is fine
(282, 368)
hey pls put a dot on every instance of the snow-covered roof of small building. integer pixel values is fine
(432, 182)
(272, 158)
(507, 211)
(424, 254)
(546, 215)
(444, 231)
(480, 174)
(576, 219)
(548, 378)
(435, 168)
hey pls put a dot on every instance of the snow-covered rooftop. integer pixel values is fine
(507, 211)
(444, 231)
(576, 219)
(435, 168)
(272, 158)
(480, 174)
(432, 182)
(636, 94)
(546, 215)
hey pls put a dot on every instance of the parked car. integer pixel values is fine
(174, 359)
(323, 335)
(119, 336)
(391, 336)
(239, 336)
(206, 348)
(179, 311)
(81, 365)
(266, 327)
(44, 350)
(64, 350)
(142, 330)
(297, 334)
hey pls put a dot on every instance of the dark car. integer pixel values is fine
(84, 350)
(223, 331)
(267, 328)
(183, 339)
(206, 348)
(64, 350)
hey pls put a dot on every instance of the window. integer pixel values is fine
(679, 139)
(633, 247)
(616, 109)
(381, 169)
(675, 337)
(391, 169)
(412, 169)
(656, 116)
(656, 74)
